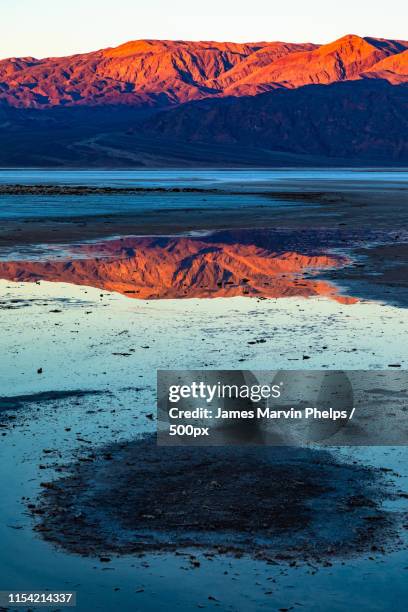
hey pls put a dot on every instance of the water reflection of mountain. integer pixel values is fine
(226, 264)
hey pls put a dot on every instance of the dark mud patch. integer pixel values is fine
(12, 407)
(14, 402)
(17, 303)
(83, 190)
(273, 504)
(50, 189)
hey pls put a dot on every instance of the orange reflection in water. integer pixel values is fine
(173, 267)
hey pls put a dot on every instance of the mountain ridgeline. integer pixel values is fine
(174, 103)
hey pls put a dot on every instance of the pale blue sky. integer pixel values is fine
(59, 27)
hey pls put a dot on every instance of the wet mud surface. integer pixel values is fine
(317, 206)
(282, 505)
(379, 272)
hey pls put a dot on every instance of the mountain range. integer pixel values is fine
(158, 103)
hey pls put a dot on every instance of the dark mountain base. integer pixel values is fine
(345, 124)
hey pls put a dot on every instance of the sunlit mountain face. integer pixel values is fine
(170, 72)
(226, 264)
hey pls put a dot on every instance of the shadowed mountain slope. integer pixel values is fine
(367, 120)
